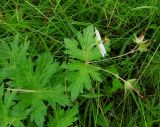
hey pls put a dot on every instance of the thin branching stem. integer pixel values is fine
(123, 80)
(130, 52)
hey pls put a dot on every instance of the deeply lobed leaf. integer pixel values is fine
(32, 80)
(81, 72)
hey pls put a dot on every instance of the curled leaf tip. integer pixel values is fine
(142, 44)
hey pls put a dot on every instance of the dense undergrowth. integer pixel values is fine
(52, 69)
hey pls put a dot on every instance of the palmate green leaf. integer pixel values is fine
(31, 79)
(35, 86)
(85, 49)
(8, 116)
(12, 52)
(34, 100)
(81, 73)
(24, 75)
(79, 80)
(63, 118)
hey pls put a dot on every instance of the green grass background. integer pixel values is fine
(45, 24)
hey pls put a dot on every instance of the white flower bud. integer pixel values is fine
(100, 43)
